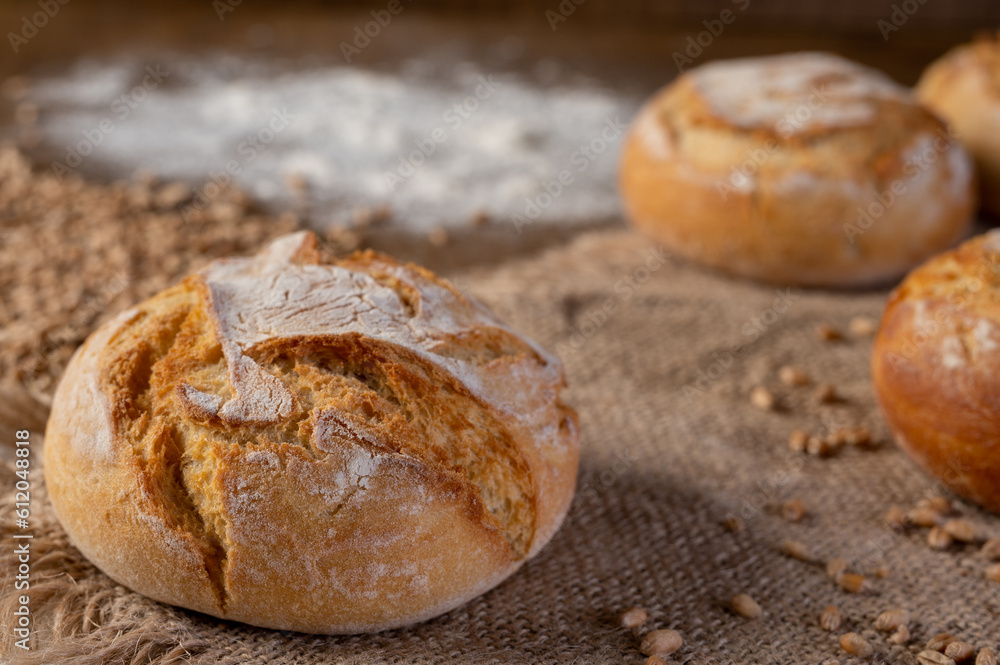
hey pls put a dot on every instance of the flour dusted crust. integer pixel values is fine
(934, 368)
(766, 168)
(963, 87)
(323, 447)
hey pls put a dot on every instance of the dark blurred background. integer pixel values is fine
(360, 104)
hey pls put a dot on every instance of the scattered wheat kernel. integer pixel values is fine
(986, 657)
(762, 398)
(961, 530)
(746, 606)
(938, 538)
(830, 619)
(901, 637)
(852, 582)
(923, 516)
(991, 549)
(895, 518)
(933, 658)
(856, 645)
(793, 376)
(890, 620)
(937, 503)
(797, 550)
(880, 572)
(797, 440)
(825, 393)
(438, 237)
(824, 447)
(960, 651)
(835, 567)
(993, 572)
(633, 617)
(793, 510)
(661, 642)
(940, 641)
(856, 436)
(862, 326)
(828, 333)
(655, 660)
(733, 524)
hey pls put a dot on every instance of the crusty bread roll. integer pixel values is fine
(934, 368)
(963, 87)
(799, 169)
(329, 448)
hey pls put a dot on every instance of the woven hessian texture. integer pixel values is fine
(662, 467)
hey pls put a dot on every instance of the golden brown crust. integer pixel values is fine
(934, 368)
(773, 168)
(963, 88)
(319, 447)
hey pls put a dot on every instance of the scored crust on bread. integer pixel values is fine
(324, 447)
(800, 169)
(934, 368)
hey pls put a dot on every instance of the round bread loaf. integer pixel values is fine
(963, 87)
(800, 169)
(934, 368)
(321, 447)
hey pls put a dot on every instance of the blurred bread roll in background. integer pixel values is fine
(799, 169)
(963, 87)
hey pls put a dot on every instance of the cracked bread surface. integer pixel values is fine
(798, 169)
(328, 447)
(934, 367)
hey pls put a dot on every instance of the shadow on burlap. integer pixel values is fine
(671, 446)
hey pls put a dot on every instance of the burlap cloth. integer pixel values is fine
(662, 466)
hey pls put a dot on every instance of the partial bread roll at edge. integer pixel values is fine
(934, 368)
(963, 87)
(799, 169)
(322, 447)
